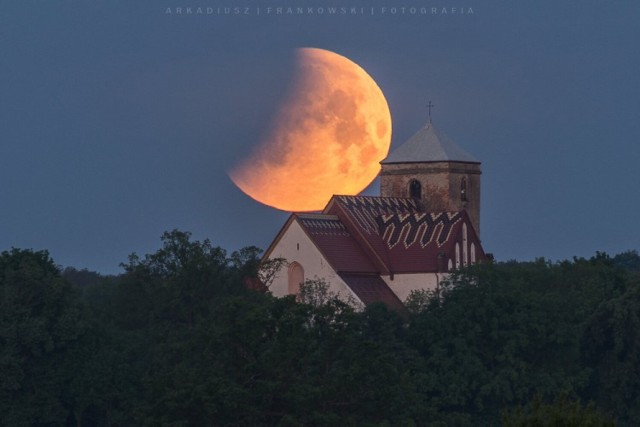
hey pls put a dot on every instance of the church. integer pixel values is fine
(424, 224)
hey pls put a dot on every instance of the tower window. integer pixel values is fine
(415, 189)
(465, 245)
(463, 189)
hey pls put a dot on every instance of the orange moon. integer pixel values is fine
(328, 137)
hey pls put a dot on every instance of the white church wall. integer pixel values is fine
(403, 284)
(295, 246)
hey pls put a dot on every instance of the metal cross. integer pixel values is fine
(430, 106)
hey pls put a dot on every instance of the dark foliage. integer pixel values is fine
(629, 260)
(43, 333)
(563, 412)
(179, 339)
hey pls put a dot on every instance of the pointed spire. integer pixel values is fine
(429, 145)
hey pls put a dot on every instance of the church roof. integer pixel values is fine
(414, 242)
(363, 238)
(360, 213)
(429, 145)
(335, 242)
(365, 209)
(371, 289)
(396, 234)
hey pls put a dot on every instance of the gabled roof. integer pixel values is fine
(415, 243)
(365, 209)
(359, 214)
(364, 237)
(429, 145)
(336, 243)
(396, 235)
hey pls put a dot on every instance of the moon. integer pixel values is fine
(328, 136)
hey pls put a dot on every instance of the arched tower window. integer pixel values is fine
(457, 255)
(465, 245)
(463, 189)
(415, 189)
(296, 277)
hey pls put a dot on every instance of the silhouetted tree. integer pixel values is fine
(562, 412)
(41, 329)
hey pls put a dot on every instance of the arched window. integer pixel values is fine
(457, 255)
(463, 189)
(465, 253)
(296, 277)
(473, 253)
(415, 189)
(450, 265)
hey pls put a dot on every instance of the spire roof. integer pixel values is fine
(429, 145)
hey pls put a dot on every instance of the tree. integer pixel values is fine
(563, 412)
(256, 273)
(419, 300)
(85, 278)
(496, 334)
(269, 268)
(177, 284)
(172, 309)
(611, 346)
(629, 260)
(315, 292)
(41, 328)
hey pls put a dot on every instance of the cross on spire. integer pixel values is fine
(430, 106)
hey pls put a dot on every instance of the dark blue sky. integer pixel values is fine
(119, 121)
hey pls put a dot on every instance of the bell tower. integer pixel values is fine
(432, 168)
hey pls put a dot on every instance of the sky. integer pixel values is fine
(119, 120)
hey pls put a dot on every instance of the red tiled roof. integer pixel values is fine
(365, 209)
(360, 213)
(365, 237)
(371, 289)
(338, 246)
(397, 235)
(414, 241)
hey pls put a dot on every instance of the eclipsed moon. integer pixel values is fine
(328, 137)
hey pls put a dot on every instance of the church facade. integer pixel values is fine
(425, 224)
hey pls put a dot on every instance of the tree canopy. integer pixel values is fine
(180, 338)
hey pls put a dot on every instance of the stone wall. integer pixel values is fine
(441, 186)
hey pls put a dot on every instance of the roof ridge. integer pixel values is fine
(317, 216)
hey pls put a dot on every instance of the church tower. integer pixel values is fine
(432, 168)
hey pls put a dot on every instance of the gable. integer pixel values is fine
(359, 215)
(399, 237)
(299, 249)
(418, 229)
(418, 243)
(359, 240)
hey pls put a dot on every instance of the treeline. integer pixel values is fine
(180, 339)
